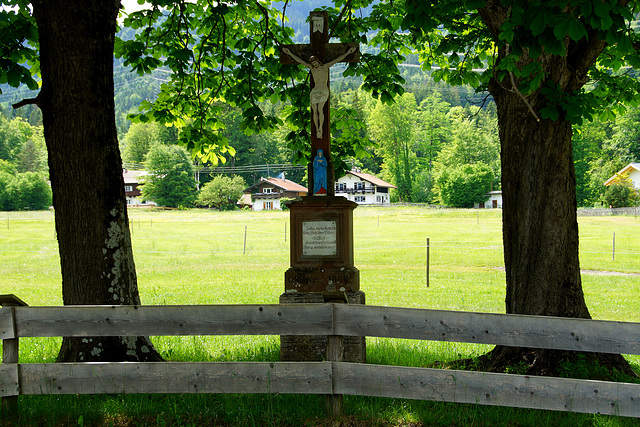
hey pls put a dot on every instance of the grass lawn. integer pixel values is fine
(200, 257)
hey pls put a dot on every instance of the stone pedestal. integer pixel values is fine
(322, 270)
(313, 348)
(322, 246)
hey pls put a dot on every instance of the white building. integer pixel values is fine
(495, 201)
(266, 194)
(363, 188)
(633, 170)
(133, 181)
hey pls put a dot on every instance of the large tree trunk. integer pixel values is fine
(540, 235)
(77, 102)
(540, 224)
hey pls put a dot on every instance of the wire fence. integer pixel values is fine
(630, 211)
(274, 238)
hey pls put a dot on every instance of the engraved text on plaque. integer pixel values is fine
(319, 238)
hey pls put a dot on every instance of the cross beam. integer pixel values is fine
(318, 56)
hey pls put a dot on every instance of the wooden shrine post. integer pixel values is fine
(319, 55)
(322, 265)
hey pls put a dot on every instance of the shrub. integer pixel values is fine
(465, 185)
(25, 191)
(222, 192)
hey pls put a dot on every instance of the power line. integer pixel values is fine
(252, 168)
(232, 169)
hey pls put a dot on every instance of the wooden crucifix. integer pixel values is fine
(319, 55)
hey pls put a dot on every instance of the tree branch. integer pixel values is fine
(517, 91)
(342, 12)
(27, 101)
(514, 89)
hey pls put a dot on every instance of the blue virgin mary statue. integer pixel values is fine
(320, 174)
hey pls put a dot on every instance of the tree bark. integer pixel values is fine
(540, 224)
(77, 103)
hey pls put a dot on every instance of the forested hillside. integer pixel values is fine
(437, 143)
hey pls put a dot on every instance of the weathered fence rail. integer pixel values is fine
(333, 377)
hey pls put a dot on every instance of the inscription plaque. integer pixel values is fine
(319, 238)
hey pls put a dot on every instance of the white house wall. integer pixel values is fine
(633, 172)
(492, 197)
(259, 204)
(369, 198)
(136, 201)
(634, 176)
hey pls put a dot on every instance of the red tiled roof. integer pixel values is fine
(285, 184)
(372, 179)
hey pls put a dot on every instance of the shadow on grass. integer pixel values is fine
(281, 410)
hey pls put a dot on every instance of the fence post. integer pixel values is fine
(244, 247)
(10, 351)
(428, 246)
(335, 352)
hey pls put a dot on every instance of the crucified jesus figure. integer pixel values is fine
(320, 92)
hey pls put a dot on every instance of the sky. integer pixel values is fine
(131, 5)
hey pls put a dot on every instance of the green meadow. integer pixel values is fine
(209, 257)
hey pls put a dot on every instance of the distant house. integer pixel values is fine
(633, 169)
(363, 188)
(267, 194)
(495, 201)
(132, 184)
(245, 201)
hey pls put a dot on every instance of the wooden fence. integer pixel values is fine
(332, 377)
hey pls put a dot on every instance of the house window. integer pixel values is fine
(341, 187)
(267, 190)
(378, 199)
(268, 205)
(360, 199)
(128, 188)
